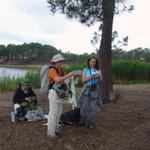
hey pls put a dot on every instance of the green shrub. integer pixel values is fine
(130, 71)
(8, 83)
(34, 78)
(118, 96)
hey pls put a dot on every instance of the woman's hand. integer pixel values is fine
(71, 74)
(92, 75)
(28, 99)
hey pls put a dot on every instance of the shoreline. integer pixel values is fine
(22, 66)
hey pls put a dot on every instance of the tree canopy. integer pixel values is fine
(85, 11)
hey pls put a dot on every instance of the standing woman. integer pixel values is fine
(55, 75)
(90, 96)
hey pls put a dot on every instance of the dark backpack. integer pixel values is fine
(72, 117)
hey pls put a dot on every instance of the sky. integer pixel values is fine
(26, 21)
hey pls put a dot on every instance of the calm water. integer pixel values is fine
(12, 72)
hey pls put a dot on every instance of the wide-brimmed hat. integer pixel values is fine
(26, 82)
(57, 58)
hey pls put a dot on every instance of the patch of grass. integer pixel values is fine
(34, 78)
(130, 71)
(118, 96)
(8, 83)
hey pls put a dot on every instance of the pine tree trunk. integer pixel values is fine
(105, 48)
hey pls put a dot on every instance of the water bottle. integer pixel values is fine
(12, 117)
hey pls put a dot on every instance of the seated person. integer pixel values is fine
(24, 99)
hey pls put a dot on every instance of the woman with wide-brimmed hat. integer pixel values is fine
(55, 75)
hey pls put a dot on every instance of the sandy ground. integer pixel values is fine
(124, 126)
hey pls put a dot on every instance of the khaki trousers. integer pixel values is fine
(55, 110)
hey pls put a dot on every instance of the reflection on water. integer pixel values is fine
(12, 72)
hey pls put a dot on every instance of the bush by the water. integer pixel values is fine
(123, 71)
(34, 78)
(8, 83)
(130, 71)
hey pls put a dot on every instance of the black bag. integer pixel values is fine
(72, 117)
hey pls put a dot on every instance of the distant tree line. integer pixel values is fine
(142, 54)
(36, 52)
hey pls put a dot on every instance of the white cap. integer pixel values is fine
(57, 58)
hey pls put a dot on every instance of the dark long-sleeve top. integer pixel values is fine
(19, 95)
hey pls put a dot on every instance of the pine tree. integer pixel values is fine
(90, 12)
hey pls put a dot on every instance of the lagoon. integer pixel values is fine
(12, 72)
